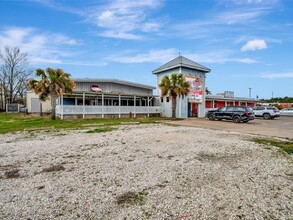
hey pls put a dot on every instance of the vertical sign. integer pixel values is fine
(195, 91)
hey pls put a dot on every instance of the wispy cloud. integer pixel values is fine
(277, 75)
(255, 44)
(41, 47)
(157, 56)
(165, 55)
(220, 56)
(241, 15)
(125, 19)
(249, 2)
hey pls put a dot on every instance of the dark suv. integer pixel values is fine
(235, 113)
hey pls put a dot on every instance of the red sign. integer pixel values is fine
(96, 88)
(195, 90)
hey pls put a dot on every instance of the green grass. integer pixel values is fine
(20, 122)
(286, 146)
(101, 130)
(132, 198)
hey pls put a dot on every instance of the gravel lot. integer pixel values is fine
(143, 172)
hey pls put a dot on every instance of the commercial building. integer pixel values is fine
(227, 99)
(195, 74)
(101, 98)
(119, 98)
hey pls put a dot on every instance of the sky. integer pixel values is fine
(245, 43)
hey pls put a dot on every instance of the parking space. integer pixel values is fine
(279, 127)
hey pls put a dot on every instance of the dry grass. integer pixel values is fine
(132, 198)
(12, 174)
(54, 168)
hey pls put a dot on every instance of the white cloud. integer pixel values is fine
(255, 44)
(125, 19)
(277, 75)
(241, 16)
(165, 55)
(250, 2)
(220, 56)
(157, 56)
(42, 47)
(120, 35)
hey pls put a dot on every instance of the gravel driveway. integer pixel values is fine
(143, 172)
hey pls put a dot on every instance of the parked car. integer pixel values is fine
(266, 112)
(287, 112)
(235, 113)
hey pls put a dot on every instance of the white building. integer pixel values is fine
(101, 98)
(195, 74)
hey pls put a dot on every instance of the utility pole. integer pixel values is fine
(249, 92)
(272, 95)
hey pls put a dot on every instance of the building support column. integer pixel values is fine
(148, 106)
(134, 112)
(83, 103)
(102, 105)
(119, 104)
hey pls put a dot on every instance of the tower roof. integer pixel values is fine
(181, 61)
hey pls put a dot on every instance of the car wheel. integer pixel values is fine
(266, 116)
(236, 119)
(211, 117)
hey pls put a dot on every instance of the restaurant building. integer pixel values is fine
(119, 98)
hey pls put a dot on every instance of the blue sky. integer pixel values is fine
(246, 43)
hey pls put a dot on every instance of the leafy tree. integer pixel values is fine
(285, 99)
(52, 83)
(14, 73)
(174, 86)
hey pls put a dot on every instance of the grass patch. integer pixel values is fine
(11, 174)
(19, 122)
(132, 198)
(54, 168)
(101, 130)
(286, 146)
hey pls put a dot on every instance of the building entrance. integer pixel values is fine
(192, 109)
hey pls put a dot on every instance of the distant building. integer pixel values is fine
(227, 99)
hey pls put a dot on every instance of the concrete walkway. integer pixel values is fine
(279, 127)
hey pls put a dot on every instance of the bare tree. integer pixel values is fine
(14, 73)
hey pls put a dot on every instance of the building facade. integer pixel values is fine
(194, 103)
(101, 98)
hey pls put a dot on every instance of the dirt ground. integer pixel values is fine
(153, 171)
(279, 127)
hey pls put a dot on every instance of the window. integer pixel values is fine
(239, 109)
(222, 109)
(162, 99)
(230, 109)
(167, 99)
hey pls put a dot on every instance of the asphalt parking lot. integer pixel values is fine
(278, 127)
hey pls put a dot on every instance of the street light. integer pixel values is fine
(249, 92)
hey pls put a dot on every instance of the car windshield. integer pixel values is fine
(249, 109)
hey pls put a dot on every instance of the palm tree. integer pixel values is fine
(52, 83)
(208, 92)
(174, 86)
